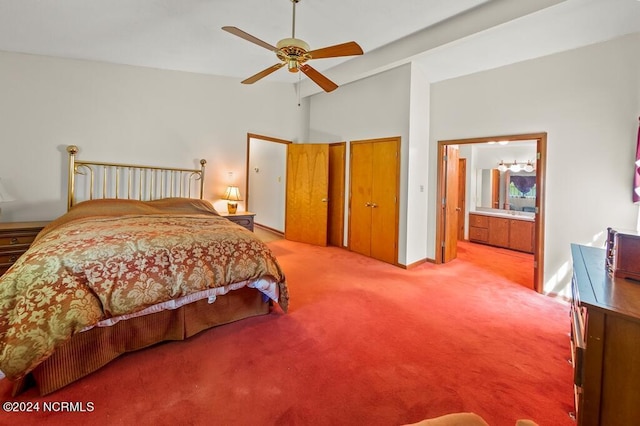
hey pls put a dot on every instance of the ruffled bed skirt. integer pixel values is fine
(90, 350)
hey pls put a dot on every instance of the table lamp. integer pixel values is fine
(232, 195)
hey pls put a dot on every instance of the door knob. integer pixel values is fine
(374, 205)
(367, 204)
(325, 200)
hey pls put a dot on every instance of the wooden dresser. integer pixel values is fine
(605, 342)
(241, 218)
(15, 239)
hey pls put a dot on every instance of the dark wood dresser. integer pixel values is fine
(15, 239)
(605, 342)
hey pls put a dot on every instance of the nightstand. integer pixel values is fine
(241, 218)
(15, 239)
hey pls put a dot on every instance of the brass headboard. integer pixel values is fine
(129, 181)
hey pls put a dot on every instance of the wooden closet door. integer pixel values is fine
(307, 193)
(335, 223)
(373, 218)
(360, 210)
(384, 224)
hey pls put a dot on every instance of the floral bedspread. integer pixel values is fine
(87, 268)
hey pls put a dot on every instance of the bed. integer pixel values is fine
(139, 258)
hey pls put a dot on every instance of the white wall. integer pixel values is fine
(126, 114)
(489, 156)
(375, 107)
(417, 173)
(587, 101)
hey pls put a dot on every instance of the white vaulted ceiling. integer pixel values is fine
(447, 37)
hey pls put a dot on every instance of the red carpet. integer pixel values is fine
(364, 343)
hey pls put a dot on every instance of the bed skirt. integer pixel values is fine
(88, 351)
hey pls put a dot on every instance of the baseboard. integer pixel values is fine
(266, 228)
(416, 264)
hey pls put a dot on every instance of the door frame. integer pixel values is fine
(541, 161)
(247, 171)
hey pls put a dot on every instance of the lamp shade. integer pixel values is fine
(4, 195)
(232, 194)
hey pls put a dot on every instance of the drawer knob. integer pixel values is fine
(13, 259)
(13, 241)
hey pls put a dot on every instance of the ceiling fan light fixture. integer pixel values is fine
(293, 42)
(293, 65)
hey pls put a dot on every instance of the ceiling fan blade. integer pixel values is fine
(238, 32)
(322, 81)
(345, 49)
(262, 74)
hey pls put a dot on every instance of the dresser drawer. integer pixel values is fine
(15, 239)
(577, 347)
(4, 267)
(10, 256)
(243, 219)
(246, 222)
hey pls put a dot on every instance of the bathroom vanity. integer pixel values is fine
(511, 230)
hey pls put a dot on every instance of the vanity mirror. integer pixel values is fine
(505, 176)
(506, 190)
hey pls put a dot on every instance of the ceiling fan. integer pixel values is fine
(294, 53)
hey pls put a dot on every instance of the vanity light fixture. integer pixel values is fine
(516, 167)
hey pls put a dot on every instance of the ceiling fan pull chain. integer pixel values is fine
(298, 86)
